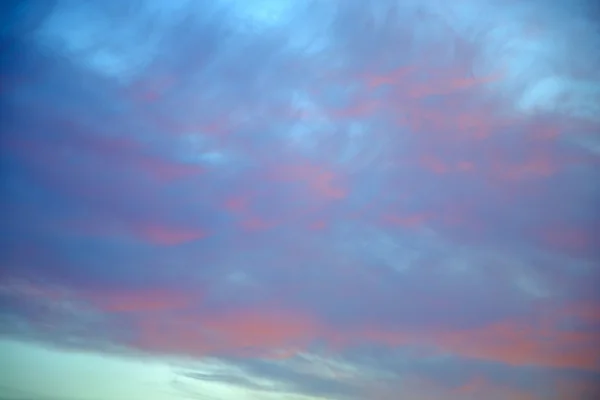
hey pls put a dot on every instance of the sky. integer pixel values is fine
(299, 200)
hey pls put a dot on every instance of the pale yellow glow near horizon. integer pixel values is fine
(31, 368)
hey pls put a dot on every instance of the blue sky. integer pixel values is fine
(299, 200)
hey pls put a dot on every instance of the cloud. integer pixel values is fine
(324, 199)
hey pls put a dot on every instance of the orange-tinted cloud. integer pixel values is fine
(450, 85)
(322, 182)
(521, 344)
(167, 235)
(250, 332)
(538, 166)
(263, 330)
(152, 232)
(392, 78)
(516, 343)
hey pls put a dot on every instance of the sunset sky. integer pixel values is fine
(300, 200)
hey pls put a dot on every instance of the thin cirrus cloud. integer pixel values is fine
(300, 200)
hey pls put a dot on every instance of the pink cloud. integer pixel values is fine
(167, 235)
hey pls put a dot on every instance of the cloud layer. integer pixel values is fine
(320, 199)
